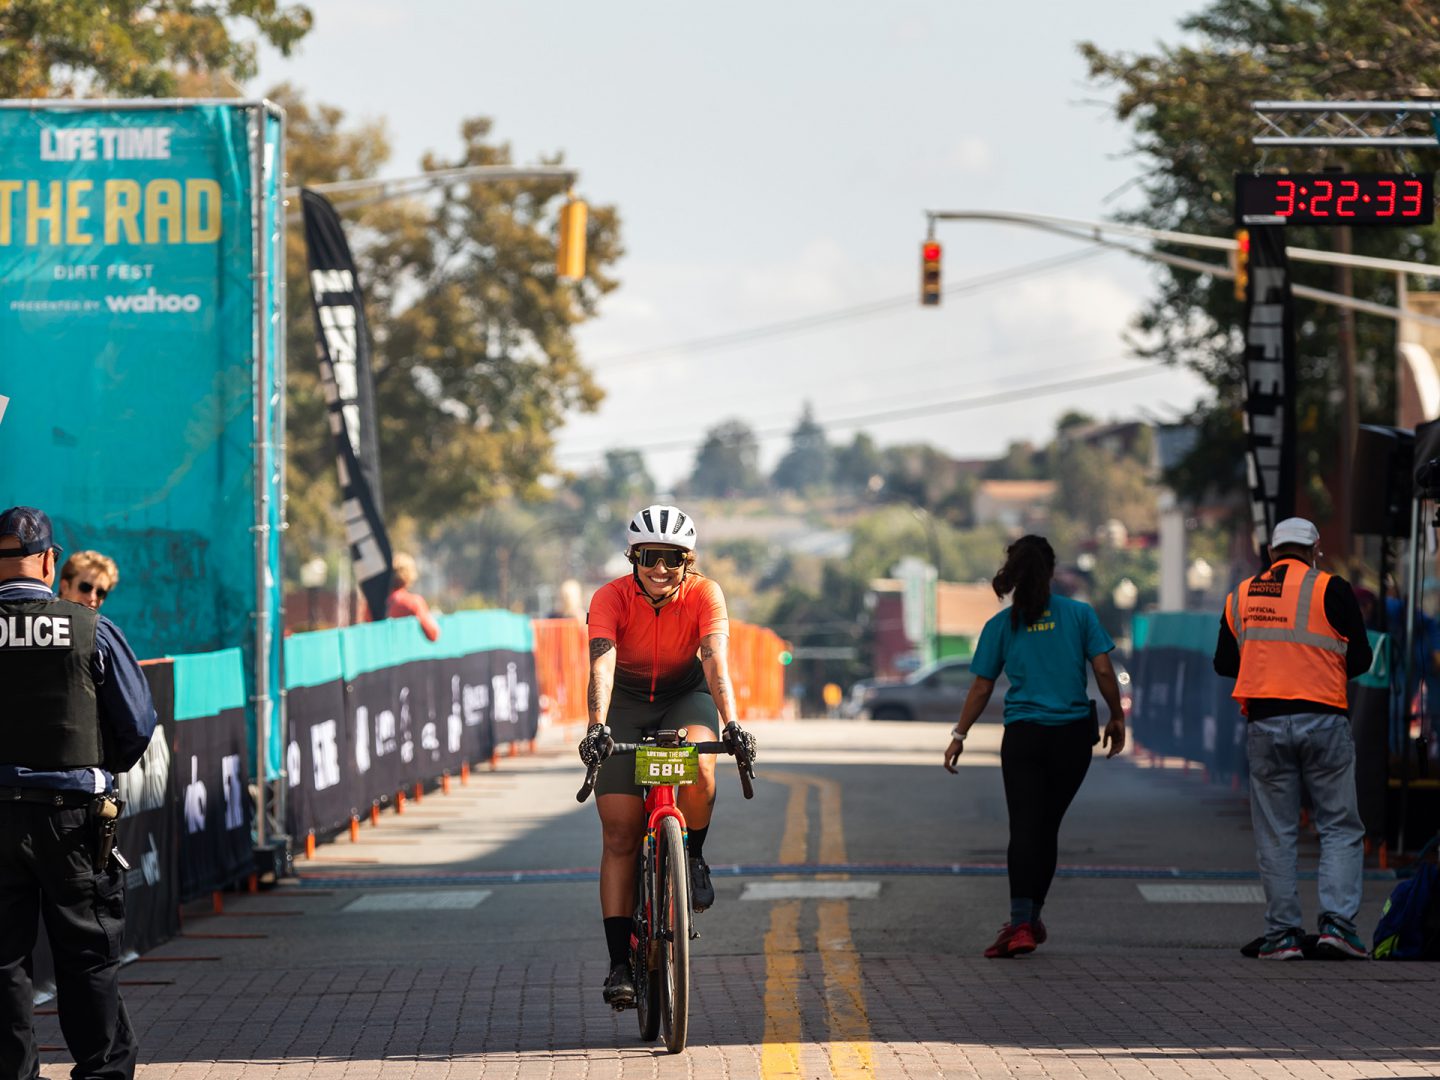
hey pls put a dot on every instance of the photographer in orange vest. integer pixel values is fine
(1292, 638)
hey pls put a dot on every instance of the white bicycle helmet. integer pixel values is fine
(661, 524)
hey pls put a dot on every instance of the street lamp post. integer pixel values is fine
(1125, 594)
(313, 573)
(1199, 576)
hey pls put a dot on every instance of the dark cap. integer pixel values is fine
(32, 526)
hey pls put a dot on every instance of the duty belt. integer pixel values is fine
(48, 796)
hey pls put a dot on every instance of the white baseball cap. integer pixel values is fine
(1295, 530)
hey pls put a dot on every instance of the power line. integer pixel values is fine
(1001, 397)
(901, 400)
(859, 311)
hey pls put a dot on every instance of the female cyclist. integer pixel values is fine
(1042, 643)
(658, 660)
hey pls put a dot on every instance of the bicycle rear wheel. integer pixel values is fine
(672, 924)
(645, 973)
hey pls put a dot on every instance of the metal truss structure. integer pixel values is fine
(1379, 125)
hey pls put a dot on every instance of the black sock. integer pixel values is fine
(617, 939)
(697, 842)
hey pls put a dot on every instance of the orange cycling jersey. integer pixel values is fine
(655, 650)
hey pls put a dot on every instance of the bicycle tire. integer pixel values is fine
(645, 974)
(673, 920)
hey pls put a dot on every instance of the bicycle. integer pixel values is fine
(660, 940)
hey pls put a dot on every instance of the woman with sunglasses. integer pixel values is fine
(658, 660)
(88, 578)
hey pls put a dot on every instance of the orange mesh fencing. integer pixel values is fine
(562, 667)
(756, 671)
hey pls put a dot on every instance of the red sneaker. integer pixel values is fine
(1037, 929)
(1013, 941)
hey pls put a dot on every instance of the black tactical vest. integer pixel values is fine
(48, 718)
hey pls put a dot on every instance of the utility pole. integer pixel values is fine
(1349, 408)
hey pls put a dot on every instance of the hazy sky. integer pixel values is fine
(773, 162)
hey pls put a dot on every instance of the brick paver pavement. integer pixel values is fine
(509, 988)
(1149, 1016)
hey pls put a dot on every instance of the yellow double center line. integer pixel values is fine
(848, 1026)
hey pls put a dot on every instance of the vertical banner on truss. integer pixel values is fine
(1269, 382)
(343, 349)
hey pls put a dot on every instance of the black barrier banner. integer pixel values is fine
(320, 761)
(149, 830)
(342, 346)
(216, 809)
(357, 743)
(1269, 382)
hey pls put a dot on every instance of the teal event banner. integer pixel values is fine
(138, 305)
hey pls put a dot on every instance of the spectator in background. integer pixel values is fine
(88, 578)
(403, 602)
(570, 604)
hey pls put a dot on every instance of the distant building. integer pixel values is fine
(1018, 505)
(961, 611)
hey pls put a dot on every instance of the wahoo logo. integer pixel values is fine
(153, 302)
(35, 632)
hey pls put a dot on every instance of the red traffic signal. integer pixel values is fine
(930, 273)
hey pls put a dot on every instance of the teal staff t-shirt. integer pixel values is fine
(1045, 661)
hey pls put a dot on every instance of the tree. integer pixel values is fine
(134, 48)
(727, 462)
(475, 360)
(1190, 109)
(857, 465)
(1094, 485)
(807, 464)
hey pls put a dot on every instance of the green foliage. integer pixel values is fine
(475, 361)
(856, 465)
(808, 464)
(1189, 107)
(135, 48)
(1021, 461)
(1095, 483)
(728, 462)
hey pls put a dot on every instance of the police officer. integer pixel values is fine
(74, 710)
(1292, 638)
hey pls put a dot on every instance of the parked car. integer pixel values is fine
(937, 693)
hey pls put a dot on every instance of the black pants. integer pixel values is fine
(47, 871)
(1043, 766)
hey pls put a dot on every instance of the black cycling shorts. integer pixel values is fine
(630, 718)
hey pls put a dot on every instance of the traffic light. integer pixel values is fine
(930, 273)
(786, 656)
(1241, 259)
(570, 252)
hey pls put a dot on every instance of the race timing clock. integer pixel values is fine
(1334, 198)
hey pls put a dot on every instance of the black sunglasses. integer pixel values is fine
(87, 587)
(674, 558)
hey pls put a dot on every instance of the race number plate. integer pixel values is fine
(655, 765)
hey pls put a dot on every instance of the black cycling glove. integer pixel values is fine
(595, 747)
(734, 732)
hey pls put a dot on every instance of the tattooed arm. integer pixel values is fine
(602, 678)
(715, 659)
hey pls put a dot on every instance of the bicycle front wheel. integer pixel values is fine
(644, 959)
(673, 923)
